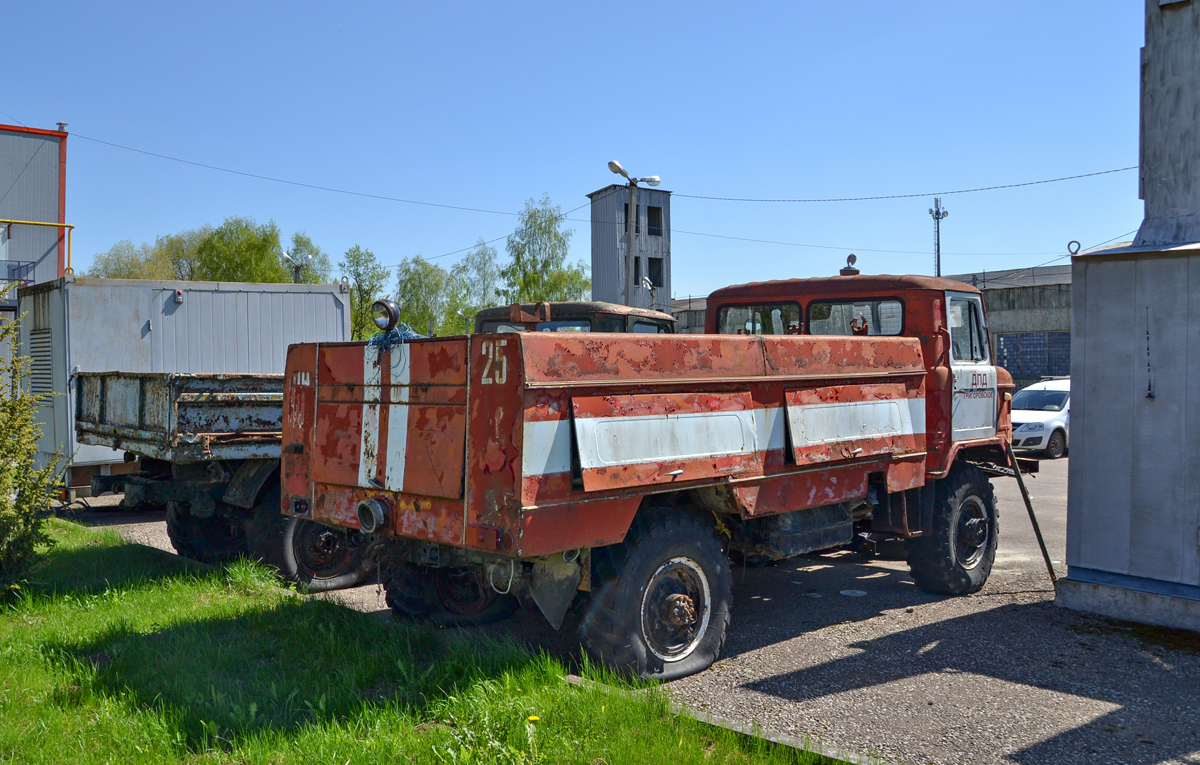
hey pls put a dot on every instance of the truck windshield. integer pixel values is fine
(765, 319)
(859, 317)
(1041, 400)
(566, 325)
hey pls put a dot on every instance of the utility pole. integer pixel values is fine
(631, 217)
(938, 212)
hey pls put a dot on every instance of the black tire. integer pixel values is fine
(956, 556)
(662, 607)
(446, 597)
(1056, 447)
(209, 540)
(317, 558)
(466, 598)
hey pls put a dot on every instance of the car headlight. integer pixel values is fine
(1033, 427)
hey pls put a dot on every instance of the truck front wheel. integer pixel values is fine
(663, 606)
(956, 556)
(209, 540)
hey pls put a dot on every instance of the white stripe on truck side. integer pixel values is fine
(818, 424)
(547, 444)
(368, 450)
(397, 441)
(610, 441)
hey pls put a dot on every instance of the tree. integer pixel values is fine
(240, 250)
(451, 298)
(476, 280)
(422, 290)
(318, 269)
(25, 489)
(181, 250)
(124, 260)
(367, 279)
(538, 250)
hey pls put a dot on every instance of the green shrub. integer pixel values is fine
(25, 489)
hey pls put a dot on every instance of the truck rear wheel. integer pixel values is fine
(662, 609)
(447, 597)
(208, 540)
(956, 556)
(316, 557)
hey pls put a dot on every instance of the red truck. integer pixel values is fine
(611, 476)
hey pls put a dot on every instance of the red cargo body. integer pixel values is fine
(529, 444)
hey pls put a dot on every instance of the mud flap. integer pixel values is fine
(249, 478)
(552, 585)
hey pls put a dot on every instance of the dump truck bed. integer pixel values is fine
(181, 417)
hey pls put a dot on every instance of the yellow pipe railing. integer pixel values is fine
(69, 227)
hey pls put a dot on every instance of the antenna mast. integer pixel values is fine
(938, 212)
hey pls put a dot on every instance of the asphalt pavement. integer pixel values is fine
(848, 653)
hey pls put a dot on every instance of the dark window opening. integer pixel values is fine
(654, 221)
(655, 268)
(637, 272)
(637, 223)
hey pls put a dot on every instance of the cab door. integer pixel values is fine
(974, 411)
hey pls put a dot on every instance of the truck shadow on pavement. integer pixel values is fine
(1036, 683)
(1009, 668)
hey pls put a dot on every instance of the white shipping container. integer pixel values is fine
(77, 324)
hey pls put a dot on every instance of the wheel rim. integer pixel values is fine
(321, 552)
(972, 533)
(1056, 445)
(462, 591)
(676, 608)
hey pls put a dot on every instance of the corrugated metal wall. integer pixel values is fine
(608, 245)
(232, 329)
(29, 165)
(1133, 502)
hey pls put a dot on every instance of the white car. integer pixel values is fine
(1041, 417)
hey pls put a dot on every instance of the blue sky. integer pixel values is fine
(485, 105)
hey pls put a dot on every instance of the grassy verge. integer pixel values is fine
(116, 652)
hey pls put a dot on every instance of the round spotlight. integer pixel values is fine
(372, 515)
(385, 314)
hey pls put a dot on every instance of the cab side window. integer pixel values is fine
(764, 319)
(968, 337)
(859, 317)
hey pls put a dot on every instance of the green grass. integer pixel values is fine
(118, 653)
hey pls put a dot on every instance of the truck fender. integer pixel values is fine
(249, 479)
